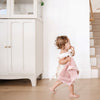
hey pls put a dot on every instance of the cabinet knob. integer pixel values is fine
(9, 46)
(5, 46)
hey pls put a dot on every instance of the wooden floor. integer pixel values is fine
(88, 89)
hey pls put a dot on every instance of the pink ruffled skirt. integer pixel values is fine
(69, 73)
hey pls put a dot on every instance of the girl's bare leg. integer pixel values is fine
(55, 86)
(71, 89)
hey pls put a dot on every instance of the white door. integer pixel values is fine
(4, 8)
(17, 42)
(3, 47)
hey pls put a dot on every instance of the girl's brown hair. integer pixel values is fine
(61, 41)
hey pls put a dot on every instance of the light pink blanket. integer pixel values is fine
(70, 73)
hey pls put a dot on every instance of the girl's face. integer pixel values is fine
(67, 45)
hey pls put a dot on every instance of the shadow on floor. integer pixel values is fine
(17, 82)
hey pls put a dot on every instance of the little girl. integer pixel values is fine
(67, 71)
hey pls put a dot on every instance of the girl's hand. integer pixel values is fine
(68, 59)
(73, 51)
(72, 47)
(64, 60)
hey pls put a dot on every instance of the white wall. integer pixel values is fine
(71, 18)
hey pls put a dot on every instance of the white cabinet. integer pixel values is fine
(20, 9)
(21, 49)
(21, 39)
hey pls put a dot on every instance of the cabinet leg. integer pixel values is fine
(33, 81)
(39, 77)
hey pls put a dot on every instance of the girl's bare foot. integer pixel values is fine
(52, 90)
(74, 95)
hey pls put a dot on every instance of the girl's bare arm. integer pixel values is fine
(64, 60)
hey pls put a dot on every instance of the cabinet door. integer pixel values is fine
(29, 46)
(16, 34)
(23, 8)
(3, 48)
(22, 33)
(4, 8)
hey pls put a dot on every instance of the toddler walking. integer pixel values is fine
(67, 71)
